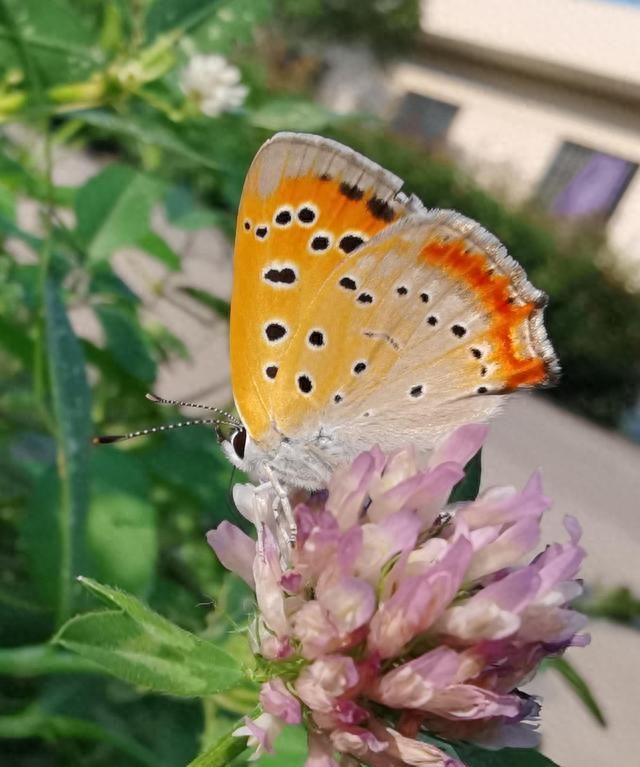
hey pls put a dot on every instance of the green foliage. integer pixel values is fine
(71, 403)
(389, 26)
(619, 604)
(473, 756)
(141, 647)
(469, 486)
(113, 209)
(579, 685)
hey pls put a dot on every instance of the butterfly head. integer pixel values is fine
(234, 445)
(241, 450)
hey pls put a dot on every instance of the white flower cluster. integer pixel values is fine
(213, 84)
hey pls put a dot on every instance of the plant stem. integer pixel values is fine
(222, 752)
(36, 660)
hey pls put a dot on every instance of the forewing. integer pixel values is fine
(423, 328)
(308, 204)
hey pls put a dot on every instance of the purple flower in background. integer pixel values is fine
(396, 615)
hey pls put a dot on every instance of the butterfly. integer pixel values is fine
(359, 317)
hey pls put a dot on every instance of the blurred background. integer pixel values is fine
(126, 129)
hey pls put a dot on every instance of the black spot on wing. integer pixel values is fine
(305, 384)
(306, 215)
(320, 243)
(275, 331)
(283, 217)
(351, 191)
(316, 338)
(284, 276)
(381, 209)
(350, 242)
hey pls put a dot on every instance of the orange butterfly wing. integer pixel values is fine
(307, 204)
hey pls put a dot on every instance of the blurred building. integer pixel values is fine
(539, 98)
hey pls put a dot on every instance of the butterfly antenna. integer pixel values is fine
(107, 439)
(233, 421)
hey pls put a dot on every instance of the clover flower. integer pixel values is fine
(397, 615)
(213, 84)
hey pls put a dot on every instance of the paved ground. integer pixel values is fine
(594, 475)
(590, 473)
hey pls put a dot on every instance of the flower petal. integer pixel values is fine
(418, 601)
(411, 752)
(349, 487)
(506, 505)
(350, 602)
(234, 549)
(270, 597)
(325, 680)
(466, 701)
(461, 445)
(507, 548)
(261, 732)
(413, 683)
(276, 699)
(320, 751)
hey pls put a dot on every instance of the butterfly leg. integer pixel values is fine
(274, 512)
(289, 528)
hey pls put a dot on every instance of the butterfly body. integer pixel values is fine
(359, 317)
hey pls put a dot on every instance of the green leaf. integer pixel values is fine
(579, 685)
(233, 24)
(127, 343)
(7, 203)
(184, 210)
(71, 408)
(48, 37)
(469, 486)
(167, 15)
(41, 540)
(219, 305)
(16, 341)
(474, 756)
(193, 463)
(113, 209)
(157, 247)
(618, 604)
(146, 131)
(290, 749)
(36, 723)
(141, 647)
(291, 114)
(121, 530)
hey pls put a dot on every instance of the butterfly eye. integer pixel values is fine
(239, 442)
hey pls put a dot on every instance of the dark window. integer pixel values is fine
(424, 118)
(584, 183)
